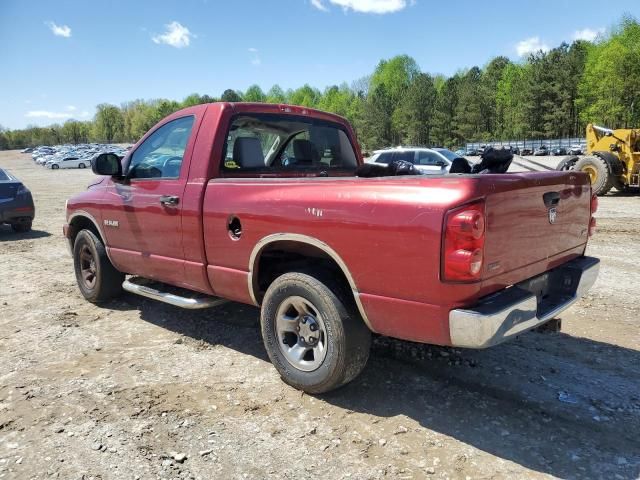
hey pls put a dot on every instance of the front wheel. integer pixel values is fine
(311, 332)
(54, 167)
(81, 165)
(97, 278)
(602, 180)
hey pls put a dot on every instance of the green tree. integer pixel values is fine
(230, 96)
(414, 115)
(108, 122)
(609, 91)
(254, 94)
(276, 95)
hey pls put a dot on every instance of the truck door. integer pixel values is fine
(142, 218)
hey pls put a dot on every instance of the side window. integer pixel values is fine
(160, 155)
(428, 158)
(384, 157)
(407, 156)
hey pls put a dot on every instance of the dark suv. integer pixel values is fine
(16, 203)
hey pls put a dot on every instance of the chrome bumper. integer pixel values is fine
(523, 306)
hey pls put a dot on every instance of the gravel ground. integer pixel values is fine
(139, 389)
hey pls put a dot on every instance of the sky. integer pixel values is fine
(59, 59)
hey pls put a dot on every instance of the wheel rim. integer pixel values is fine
(88, 269)
(301, 333)
(592, 172)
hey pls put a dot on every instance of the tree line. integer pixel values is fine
(551, 94)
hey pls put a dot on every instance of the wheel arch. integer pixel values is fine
(297, 247)
(82, 220)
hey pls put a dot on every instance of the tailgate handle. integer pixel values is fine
(551, 199)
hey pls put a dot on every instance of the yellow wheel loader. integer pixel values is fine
(612, 159)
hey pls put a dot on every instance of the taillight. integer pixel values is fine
(463, 245)
(592, 226)
(592, 220)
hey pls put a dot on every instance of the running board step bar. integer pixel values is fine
(150, 289)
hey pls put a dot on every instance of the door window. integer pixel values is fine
(161, 154)
(429, 158)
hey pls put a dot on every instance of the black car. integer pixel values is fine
(16, 203)
(526, 151)
(575, 150)
(559, 151)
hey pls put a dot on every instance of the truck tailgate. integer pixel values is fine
(534, 217)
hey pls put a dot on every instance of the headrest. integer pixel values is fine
(305, 151)
(247, 152)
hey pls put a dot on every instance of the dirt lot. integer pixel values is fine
(122, 391)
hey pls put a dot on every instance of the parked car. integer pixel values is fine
(27, 150)
(526, 151)
(70, 161)
(575, 150)
(426, 160)
(472, 152)
(559, 151)
(263, 205)
(541, 151)
(512, 149)
(460, 152)
(16, 203)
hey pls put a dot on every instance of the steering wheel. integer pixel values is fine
(167, 163)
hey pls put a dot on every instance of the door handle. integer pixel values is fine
(551, 199)
(169, 200)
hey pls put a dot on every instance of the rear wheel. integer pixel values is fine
(312, 333)
(599, 173)
(54, 167)
(81, 165)
(22, 225)
(567, 163)
(97, 278)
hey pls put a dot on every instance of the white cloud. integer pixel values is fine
(588, 34)
(319, 5)
(47, 114)
(531, 45)
(255, 58)
(176, 35)
(59, 30)
(365, 6)
(71, 112)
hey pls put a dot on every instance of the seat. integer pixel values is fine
(305, 153)
(460, 165)
(247, 152)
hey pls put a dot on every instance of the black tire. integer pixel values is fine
(81, 165)
(22, 226)
(598, 169)
(55, 167)
(347, 339)
(106, 281)
(567, 163)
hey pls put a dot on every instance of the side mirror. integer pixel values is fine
(107, 164)
(441, 163)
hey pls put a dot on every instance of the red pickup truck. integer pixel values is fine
(262, 204)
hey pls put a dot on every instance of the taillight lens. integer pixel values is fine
(463, 246)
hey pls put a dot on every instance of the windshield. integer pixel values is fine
(448, 154)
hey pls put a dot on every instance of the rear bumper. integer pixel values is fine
(16, 211)
(523, 306)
